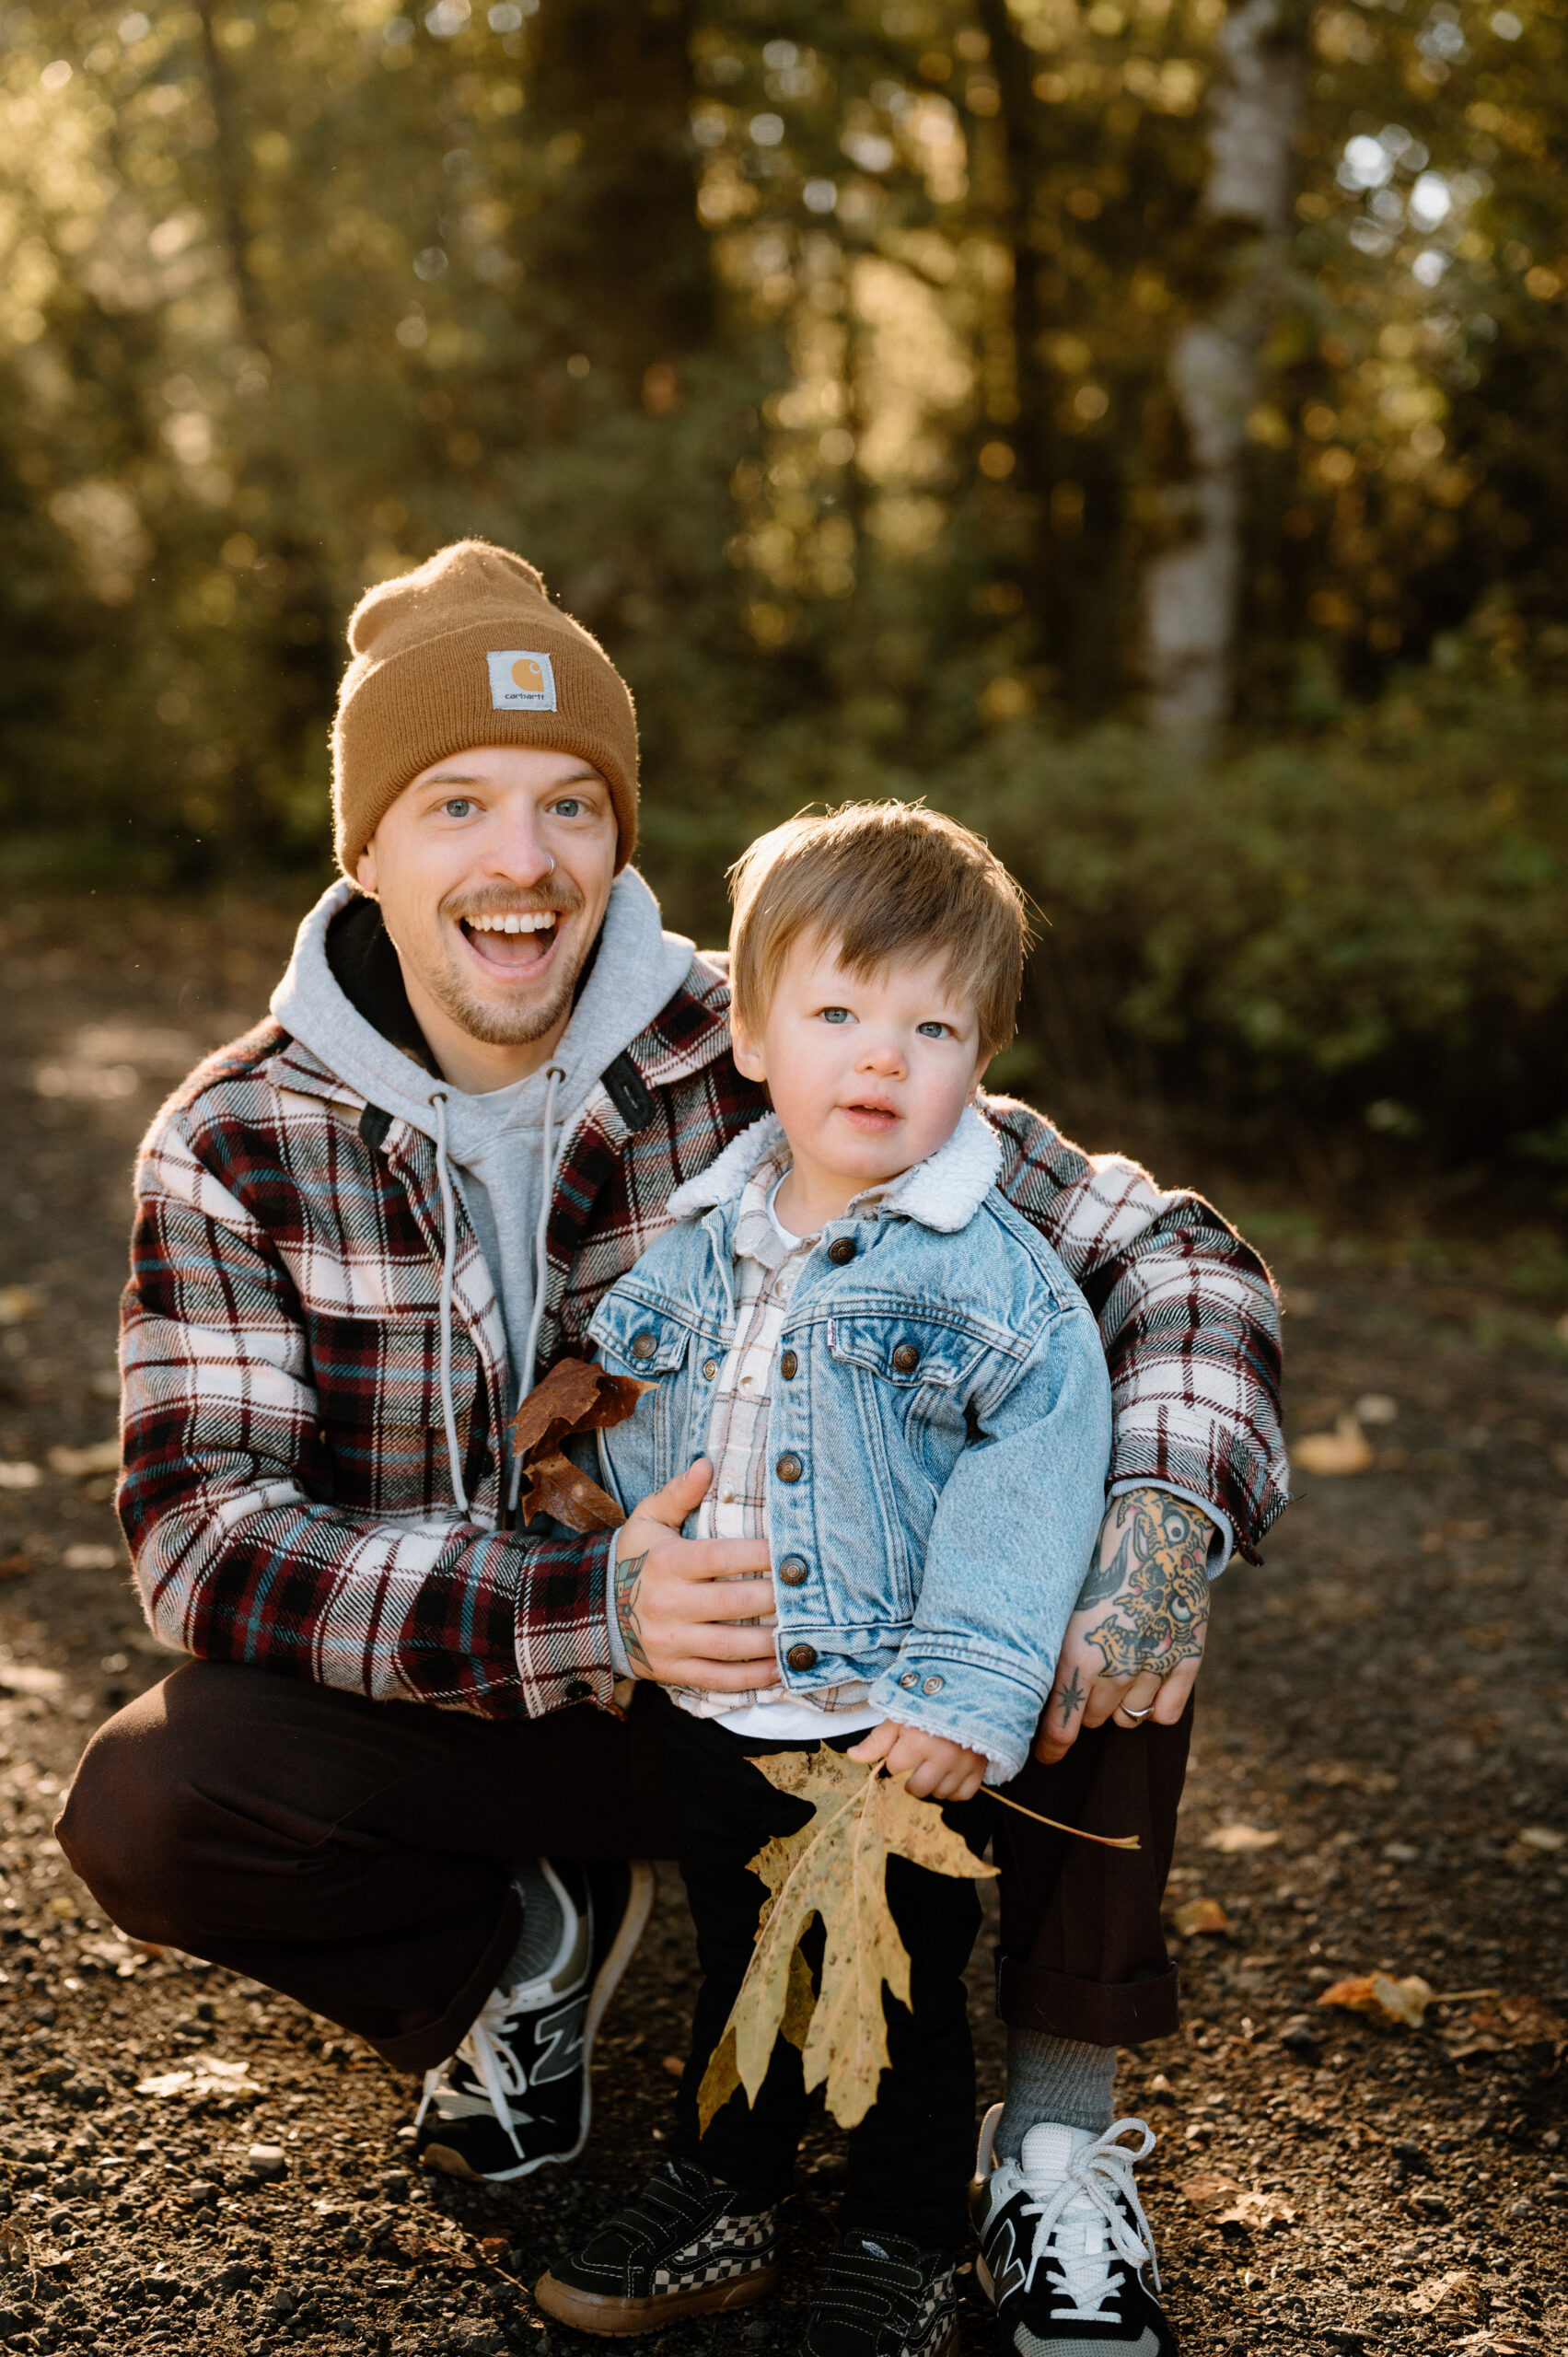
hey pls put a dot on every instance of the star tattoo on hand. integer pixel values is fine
(1070, 1699)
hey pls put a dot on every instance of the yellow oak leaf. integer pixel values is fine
(835, 1867)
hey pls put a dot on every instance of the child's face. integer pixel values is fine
(867, 1076)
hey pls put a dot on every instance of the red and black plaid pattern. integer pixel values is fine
(286, 1494)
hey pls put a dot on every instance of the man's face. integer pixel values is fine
(493, 868)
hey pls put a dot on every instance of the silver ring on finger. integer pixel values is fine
(1139, 1716)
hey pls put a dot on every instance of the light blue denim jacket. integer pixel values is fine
(943, 1505)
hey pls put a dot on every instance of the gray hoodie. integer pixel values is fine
(500, 1147)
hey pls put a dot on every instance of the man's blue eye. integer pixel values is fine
(837, 1014)
(569, 808)
(457, 809)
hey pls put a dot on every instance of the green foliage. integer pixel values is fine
(819, 355)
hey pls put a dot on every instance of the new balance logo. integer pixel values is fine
(1009, 2270)
(558, 2041)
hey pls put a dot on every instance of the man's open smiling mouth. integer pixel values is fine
(516, 942)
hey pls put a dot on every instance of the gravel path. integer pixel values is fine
(1380, 1786)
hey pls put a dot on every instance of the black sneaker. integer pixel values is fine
(686, 2246)
(1065, 2249)
(515, 2092)
(883, 2296)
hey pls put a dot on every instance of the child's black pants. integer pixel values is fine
(910, 2156)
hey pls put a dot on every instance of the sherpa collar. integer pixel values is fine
(942, 1193)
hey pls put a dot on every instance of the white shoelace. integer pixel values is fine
(1084, 2218)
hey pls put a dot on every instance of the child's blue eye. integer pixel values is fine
(837, 1014)
(932, 1030)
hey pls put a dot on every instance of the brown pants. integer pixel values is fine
(357, 1855)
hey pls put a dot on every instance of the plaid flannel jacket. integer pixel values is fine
(285, 1491)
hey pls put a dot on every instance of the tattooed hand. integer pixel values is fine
(1136, 1636)
(692, 1611)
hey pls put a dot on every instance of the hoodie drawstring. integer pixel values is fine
(448, 1261)
(553, 1078)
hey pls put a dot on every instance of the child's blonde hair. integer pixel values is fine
(883, 882)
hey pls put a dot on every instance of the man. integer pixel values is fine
(391, 1779)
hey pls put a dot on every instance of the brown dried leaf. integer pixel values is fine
(1513, 2021)
(1203, 2192)
(1236, 1840)
(13, 2244)
(558, 1487)
(1398, 2000)
(1258, 2212)
(1195, 1915)
(575, 1396)
(1458, 2289)
(1345, 1450)
(834, 1868)
(1487, 2343)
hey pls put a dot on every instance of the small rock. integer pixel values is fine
(395, 2185)
(267, 2161)
(1301, 2034)
(1413, 2159)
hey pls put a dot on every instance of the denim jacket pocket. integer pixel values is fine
(637, 1337)
(908, 1348)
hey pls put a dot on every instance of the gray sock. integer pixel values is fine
(1053, 2078)
(542, 1926)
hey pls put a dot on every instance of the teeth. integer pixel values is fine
(532, 920)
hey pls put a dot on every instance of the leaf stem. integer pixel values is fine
(1105, 1840)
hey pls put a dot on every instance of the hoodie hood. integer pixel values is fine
(638, 971)
(501, 1148)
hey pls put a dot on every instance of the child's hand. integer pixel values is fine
(939, 1771)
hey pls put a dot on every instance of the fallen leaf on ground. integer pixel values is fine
(1512, 2021)
(13, 2244)
(14, 1567)
(1196, 1915)
(1490, 2344)
(1233, 1841)
(98, 1456)
(1403, 2001)
(835, 1867)
(203, 2074)
(1203, 2192)
(1258, 2211)
(1345, 1450)
(1458, 2289)
(1541, 1836)
(575, 1396)
(27, 1677)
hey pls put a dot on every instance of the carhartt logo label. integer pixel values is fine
(521, 681)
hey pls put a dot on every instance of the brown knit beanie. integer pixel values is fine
(469, 651)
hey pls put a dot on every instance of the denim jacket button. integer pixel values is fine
(790, 1468)
(933, 1685)
(840, 1249)
(908, 1679)
(789, 1366)
(802, 1657)
(644, 1346)
(794, 1571)
(905, 1358)
(710, 1368)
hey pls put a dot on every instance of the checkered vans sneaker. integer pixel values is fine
(683, 2246)
(883, 2296)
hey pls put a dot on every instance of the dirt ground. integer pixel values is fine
(1380, 1786)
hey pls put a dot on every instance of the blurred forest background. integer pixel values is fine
(1136, 426)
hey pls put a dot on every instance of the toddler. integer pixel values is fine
(898, 1385)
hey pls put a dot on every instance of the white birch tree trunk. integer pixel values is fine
(1193, 590)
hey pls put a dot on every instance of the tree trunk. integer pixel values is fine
(1192, 591)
